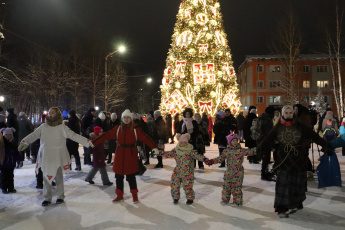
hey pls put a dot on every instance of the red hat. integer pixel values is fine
(97, 130)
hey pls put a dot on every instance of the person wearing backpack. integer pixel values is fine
(265, 128)
(330, 116)
(126, 154)
(329, 134)
(250, 143)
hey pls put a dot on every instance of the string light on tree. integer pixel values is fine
(199, 71)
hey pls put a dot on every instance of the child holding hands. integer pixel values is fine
(184, 171)
(233, 176)
(98, 160)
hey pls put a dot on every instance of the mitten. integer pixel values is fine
(91, 144)
(22, 146)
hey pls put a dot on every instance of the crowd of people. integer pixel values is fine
(127, 143)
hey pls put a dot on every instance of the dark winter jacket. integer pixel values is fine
(240, 122)
(13, 122)
(25, 127)
(193, 135)
(250, 143)
(221, 129)
(74, 125)
(288, 140)
(86, 122)
(232, 121)
(2, 121)
(11, 155)
(159, 131)
(112, 142)
(97, 122)
(203, 138)
(168, 121)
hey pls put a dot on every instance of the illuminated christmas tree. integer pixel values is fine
(199, 70)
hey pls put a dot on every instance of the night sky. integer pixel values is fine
(146, 26)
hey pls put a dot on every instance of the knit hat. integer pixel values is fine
(183, 138)
(252, 111)
(10, 110)
(220, 113)
(127, 113)
(6, 131)
(329, 122)
(65, 113)
(101, 116)
(230, 137)
(113, 116)
(97, 130)
(285, 108)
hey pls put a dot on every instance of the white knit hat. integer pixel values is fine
(285, 108)
(127, 113)
(101, 116)
(113, 116)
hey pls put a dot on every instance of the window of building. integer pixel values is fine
(275, 68)
(260, 84)
(322, 84)
(274, 84)
(274, 99)
(306, 84)
(306, 68)
(260, 99)
(306, 99)
(322, 68)
(292, 68)
(260, 68)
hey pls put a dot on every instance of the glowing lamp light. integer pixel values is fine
(96, 108)
(2, 98)
(149, 80)
(45, 112)
(122, 49)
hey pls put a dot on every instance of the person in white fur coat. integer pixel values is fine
(53, 157)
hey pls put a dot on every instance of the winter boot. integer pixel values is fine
(119, 194)
(78, 168)
(135, 195)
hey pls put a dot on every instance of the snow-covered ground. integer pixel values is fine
(90, 206)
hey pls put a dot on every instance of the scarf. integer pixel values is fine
(181, 151)
(187, 123)
(286, 123)
(55, 121)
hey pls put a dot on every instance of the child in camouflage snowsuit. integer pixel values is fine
(184, 171)
(233, 176)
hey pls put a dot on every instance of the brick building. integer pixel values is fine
(261, 80)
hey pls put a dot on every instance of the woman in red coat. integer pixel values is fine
(126, 154)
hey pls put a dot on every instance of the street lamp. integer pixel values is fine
(2, 98)
(121, 49)
(96, 108)
(153, 100)
(149, 80)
